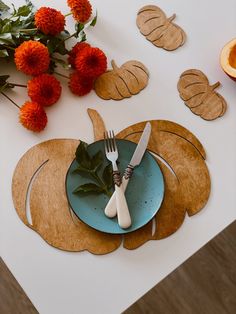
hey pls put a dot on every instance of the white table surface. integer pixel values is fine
(61, 282)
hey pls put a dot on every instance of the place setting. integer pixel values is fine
(135, 198)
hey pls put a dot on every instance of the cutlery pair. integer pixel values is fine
(117, 204)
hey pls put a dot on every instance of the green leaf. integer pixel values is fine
(4, 87)
(3, 53)
(3, 78)
(88, 188)
(81, 170)
(6, 38)
(107, 176)
(24, 10)
(79, 27)
(3, 7)
(97, 161)
(82, 156)
(94, 20)
(82, 36)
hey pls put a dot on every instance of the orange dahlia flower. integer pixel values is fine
(49, 21)
(80, 85)
(33, 117)
(44, 89)
(91, 62)
(74, 52)
(81, 9)
(32, 57)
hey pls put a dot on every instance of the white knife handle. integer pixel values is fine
(110, 210)
(123, 215)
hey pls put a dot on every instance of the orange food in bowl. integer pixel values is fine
(228, 59)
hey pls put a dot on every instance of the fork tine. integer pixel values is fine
(106, 142)
(111, 141)
(114, 140)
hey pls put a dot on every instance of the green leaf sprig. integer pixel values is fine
(89, 166)
(18, 25)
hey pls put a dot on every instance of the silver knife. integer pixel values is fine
(110, 210)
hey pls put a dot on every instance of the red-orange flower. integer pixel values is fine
(80, 85)
(33, 117)
(91, 62)
(44, 89)
(32, 57)
(74, 52)
(49, 21)
(81, 9)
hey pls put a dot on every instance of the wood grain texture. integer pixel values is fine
(181, 158)
(199, 96)
(43, 168)
(204, 284)
(123, 82)
(158, 29)
(98, 124)
(13, 299)
(47, 164)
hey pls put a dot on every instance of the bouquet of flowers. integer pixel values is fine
(36, 41)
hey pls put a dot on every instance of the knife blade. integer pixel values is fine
(110, 210)
(142, 146)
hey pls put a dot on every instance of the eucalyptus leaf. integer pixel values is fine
(88, 188)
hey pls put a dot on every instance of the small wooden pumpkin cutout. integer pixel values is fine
(157, 28)
(199, 96)
(122, 82)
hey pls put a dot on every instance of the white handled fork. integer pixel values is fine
(123, 215)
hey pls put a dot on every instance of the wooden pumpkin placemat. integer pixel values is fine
(122, 82)
(44, 167)
(200, 96)
(158, 29)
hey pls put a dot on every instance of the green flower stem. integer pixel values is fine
(68, 14)
(10, 100)
(18, 85)
(65, 39)
(62, 75)
(8, 47)
(26, 30)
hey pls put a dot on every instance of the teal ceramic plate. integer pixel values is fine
(144, 193)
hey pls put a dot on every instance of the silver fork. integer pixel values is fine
(123, 215)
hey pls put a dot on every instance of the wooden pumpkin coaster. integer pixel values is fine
(123, 82)
(179, 154)
(199, 96)
(158, 29)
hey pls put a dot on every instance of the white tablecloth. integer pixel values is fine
(61, 282)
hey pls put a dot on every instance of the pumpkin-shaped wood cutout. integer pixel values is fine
(160, 30)
(199, 96)
(41, 174)
(122, 82)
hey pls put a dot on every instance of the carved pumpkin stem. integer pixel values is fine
(114, 66)
(214, 86)
(171, 18)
